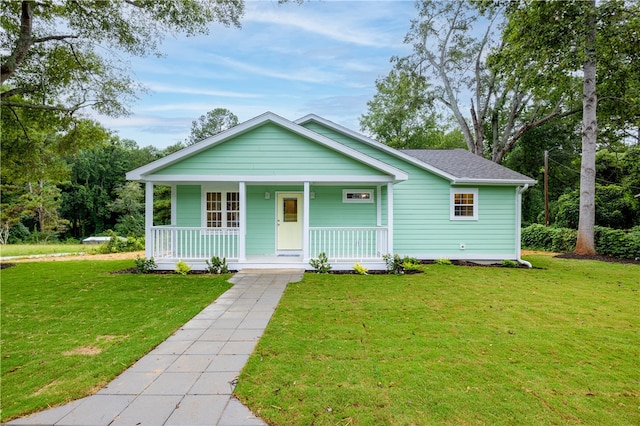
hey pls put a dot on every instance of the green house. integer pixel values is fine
(274, 193)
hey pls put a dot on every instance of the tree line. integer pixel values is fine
(506, 80)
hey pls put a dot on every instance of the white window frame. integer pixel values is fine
(223, 195)
(345, 198)
(454, 192)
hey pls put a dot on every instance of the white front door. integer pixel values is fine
(289, 221)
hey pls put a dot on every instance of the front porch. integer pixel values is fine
(195, 245)
(274, 224)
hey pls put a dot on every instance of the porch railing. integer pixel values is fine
(194, 243)
(348, 242)
(352, 243)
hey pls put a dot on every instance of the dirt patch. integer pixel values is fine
(597, 257)
(85, 350)
(66, 258)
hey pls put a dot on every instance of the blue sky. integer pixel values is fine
(318, 57)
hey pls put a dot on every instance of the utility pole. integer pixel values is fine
(546, 188)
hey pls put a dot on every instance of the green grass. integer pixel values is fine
(35, 249)
(68, 328)
(453, 346)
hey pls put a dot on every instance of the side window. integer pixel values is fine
(357, 196)
(464, 204)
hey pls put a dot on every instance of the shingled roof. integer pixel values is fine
(466, 166)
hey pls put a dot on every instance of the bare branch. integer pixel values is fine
(54, 37)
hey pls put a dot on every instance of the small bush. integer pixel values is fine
(508, 263)
(182, 268)
(118, 244)
(398, 265)
(321, 264)
(361, 270)
(144, 265)
(217, 266)
(443, 262)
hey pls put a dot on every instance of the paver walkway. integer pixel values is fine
(189, 378)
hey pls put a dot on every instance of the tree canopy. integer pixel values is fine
(66, 55)
(211, 123)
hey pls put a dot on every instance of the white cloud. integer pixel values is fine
(167, 88)
(346, 27)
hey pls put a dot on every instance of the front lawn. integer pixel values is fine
(68, 328)
(455, 345)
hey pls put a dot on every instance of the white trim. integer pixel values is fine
(148, 218)
(476, 203)
(504, 182)
(305, 223)
(519, 191)
(268, 117)
(499, 257)
(368, 200)
(390, 217)
(266, 179)
(174, 205)
(379, 205)
(242, 251)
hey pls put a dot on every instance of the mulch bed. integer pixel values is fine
(597, 257)
(6, 265)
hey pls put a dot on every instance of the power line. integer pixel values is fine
(635, 188)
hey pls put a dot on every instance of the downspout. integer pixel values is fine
(519, 191)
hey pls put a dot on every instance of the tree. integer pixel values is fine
(129, 203)
(211, 123)
(559, 39)
(61, 54)
(399, 115)
(451, 42)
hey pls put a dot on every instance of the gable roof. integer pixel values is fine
(466, 166)
(457, 165)
(143, 172)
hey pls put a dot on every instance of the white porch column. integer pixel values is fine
(174, 205)
(390, 217)
(242, 249)
(379, 205)
(148, 220)
(305, 223)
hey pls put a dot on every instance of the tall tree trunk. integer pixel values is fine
(585, 243)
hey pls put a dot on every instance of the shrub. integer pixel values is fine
(443, 262)
(398, 265)
(144, 265)
(361, 270)
(563, 240)
(217, 266)
(508, 263)
(321, 264)
(608, 242)
(118, 244)
(617, 243)
(182, 268)
(537, 237)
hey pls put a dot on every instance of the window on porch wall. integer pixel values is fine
(223, 215)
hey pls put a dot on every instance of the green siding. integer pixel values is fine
(422, 222)
(261, 220)
(188, 205)
(269, 150)
(327, 209)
